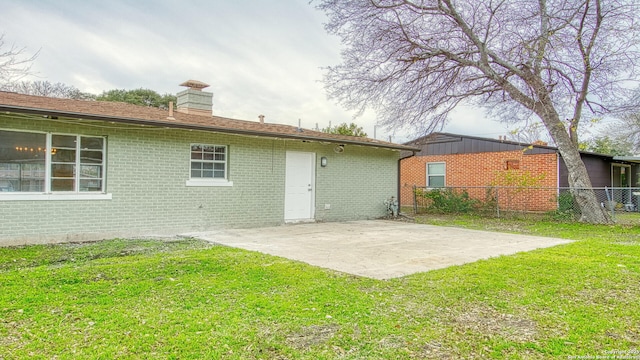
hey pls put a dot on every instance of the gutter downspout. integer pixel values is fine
(557, 178)
(413, 153)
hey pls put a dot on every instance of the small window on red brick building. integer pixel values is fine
(512, 165)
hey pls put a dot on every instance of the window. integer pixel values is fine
(51, 163)
(435, 175)
(208, 165)
(22, 161)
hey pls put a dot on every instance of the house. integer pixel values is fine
(452, 160)
(73, 170)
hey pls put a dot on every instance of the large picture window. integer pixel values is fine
(436, 175)
(51, 163)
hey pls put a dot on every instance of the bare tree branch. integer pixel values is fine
(14, 65)
(585, 52)
(48, 89)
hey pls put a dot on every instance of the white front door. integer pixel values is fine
(299, 193)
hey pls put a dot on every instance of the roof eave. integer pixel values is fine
(633, 159)
(460, 136)
(169, 124)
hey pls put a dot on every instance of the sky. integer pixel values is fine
(259, 56)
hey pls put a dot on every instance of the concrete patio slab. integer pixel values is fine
(379, 249)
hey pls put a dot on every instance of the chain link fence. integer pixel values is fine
(504, 201)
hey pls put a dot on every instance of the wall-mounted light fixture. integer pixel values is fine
(323, 161)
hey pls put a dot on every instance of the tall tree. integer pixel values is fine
(49, 89)
(144, 97)
(14, 64)
(351, 129)
(414, 61)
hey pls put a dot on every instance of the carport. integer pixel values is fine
(380, 249)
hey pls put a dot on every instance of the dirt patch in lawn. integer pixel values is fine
(312, 335)
(14, 332)
(488, 321)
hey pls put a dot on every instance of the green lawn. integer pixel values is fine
(189, 300)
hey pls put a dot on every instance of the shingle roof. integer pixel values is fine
(134, 114)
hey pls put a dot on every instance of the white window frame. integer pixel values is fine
(444, 174)
(210, 182)
(48, 194)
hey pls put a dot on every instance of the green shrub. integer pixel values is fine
(448, 200)
(566, 202)
(567, 207)
(490, 203)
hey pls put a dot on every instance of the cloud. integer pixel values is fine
(260, 56)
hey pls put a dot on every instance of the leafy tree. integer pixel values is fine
(344, 129)
(14, 65)
(144, 97)
(628, 129)
(49, 89)
(609, 146)
(414, 61)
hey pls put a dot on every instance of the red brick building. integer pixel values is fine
(474, 163)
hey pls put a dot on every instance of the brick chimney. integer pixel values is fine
(194, 100)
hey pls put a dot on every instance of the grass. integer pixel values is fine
(188, 299)
(629, 218)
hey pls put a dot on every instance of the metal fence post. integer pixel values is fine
(610, 203)
(415, 200)
(498, 201)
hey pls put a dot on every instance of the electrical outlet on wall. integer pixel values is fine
(327, 206)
